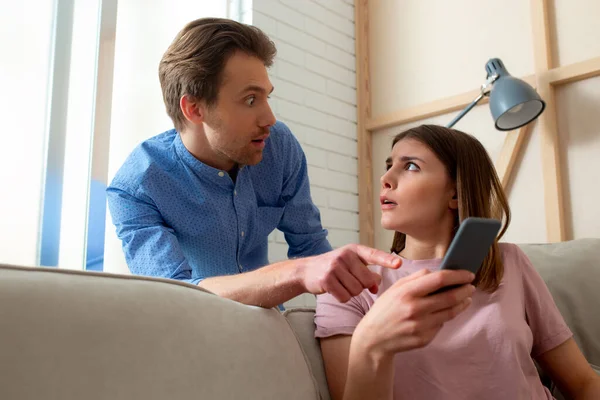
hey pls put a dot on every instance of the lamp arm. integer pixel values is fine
(466, 110)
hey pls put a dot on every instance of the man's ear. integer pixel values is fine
(192, 109)
(453, 204)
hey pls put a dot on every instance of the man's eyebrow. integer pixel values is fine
(256, 88)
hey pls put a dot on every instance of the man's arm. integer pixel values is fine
(266, 287)
(150, 246)
(342, 272)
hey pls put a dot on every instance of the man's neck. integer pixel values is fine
(233, 173)
(198, 146)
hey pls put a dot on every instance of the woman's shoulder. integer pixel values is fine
(510, 249)
(513, 257)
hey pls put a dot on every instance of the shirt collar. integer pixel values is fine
(216, 175)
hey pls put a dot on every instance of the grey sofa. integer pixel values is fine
(82, 335)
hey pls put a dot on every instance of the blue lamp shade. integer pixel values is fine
(513, 102)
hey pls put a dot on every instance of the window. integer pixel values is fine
(80, 91)
(26, 49)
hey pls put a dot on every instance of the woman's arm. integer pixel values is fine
(405, 317)
(336, 351)
(571, 372)
(369, 378)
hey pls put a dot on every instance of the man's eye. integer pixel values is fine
(250, 100)
(388, 166)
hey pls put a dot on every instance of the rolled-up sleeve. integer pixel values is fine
(335, 318)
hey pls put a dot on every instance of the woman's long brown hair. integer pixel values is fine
(479, 190)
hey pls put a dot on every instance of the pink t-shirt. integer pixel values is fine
(485, 352)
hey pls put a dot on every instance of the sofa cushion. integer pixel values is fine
(68, 335)
(302, 322)
(571, 271)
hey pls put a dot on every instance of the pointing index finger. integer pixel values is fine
(369, 255)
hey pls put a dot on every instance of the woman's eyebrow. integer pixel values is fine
(411, 158)
(404, 159)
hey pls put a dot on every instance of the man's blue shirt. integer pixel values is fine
(181, 219)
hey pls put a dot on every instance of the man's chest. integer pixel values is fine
(235, 211)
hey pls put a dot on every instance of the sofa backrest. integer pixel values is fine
(571, 271)
(72, 335)
(67, 335)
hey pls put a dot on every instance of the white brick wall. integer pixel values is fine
(315, 95)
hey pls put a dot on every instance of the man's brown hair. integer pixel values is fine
(194, 62)
(478, 188)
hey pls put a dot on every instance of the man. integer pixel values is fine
(197, 203)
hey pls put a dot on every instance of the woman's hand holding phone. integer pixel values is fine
(406, 316)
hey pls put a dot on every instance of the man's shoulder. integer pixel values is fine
(283, 145)
(152, 155)
(280, 128)
(281, 134)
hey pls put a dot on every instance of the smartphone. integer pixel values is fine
(470, 246)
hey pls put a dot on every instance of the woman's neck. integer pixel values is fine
(422, 250)
(430, 245)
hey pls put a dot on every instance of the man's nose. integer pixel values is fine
(268, 120)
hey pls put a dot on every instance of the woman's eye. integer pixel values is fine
(250, 100)
(412, 167)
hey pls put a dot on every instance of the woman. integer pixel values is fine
(400, 343)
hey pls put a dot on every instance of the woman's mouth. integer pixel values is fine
(387, 204)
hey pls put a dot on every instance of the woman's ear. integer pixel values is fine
(453, 204)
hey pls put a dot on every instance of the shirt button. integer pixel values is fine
(235, 192)
(243, 233)
(221, 174)
(241, 267)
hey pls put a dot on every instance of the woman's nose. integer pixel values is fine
(385, 181)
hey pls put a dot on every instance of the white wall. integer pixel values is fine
(315, 95)
(422, 51)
